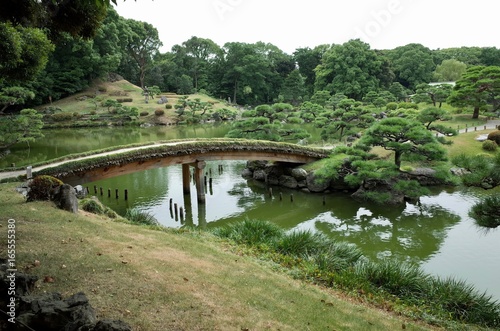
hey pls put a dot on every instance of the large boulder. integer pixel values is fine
(288, 181)
(49, 311)
(317, 184)
(380, 187)
(260, 175)
(298, 173)
(65, 198)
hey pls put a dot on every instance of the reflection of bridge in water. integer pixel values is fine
(192, 153)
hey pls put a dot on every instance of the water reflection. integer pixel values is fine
(411, 232)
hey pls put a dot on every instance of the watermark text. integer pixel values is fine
(11, 270)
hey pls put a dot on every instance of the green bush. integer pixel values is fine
(40, 188)
(159, 112)
(144, 113)
(168, 106)
(391, 106)
(121, 100)
(494, 136)
(490, 145)
(61, 117)
(407, 105)
(91, 205)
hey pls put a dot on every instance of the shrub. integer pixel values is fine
(61, 117)
(159, 112)
(40, 188)
(494, 136)
(140, 217)
(91, 205)
(120, 100)
(168, 106)
(391, 106)
(490, 145)
(93, 112)
(144, 113)
(407, 105)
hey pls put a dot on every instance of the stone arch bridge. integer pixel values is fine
(188, 153)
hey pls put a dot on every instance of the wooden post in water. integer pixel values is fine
(198, 174)
(324, 200)
(95, 189)
(270, 192)
(126, 194)
(291, 197)
(100, 190)
(186, 176)
(109, 193)
(176, 212)
(116, 193)
(281, 196)
(181, 213)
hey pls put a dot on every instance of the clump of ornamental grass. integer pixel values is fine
(251, 232)
(401, 279)
(138, 216)
(463, 302)
(301, 243)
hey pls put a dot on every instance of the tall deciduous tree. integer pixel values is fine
(352, 69)
(142, 44)
(449, 71)
(200, 54)
(307, 60)
(412, 64)
(405, 138)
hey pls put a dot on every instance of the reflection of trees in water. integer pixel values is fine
(414, 232)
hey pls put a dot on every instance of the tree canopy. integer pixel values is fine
(405, 138)
(479, 88)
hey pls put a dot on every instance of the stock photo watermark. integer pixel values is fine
(223, 7)
(11, 270)
(380, 20)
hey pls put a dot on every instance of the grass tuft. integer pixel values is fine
(140, 217)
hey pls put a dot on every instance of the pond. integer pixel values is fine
(436, 233)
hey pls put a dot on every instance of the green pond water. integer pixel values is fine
(436, 233)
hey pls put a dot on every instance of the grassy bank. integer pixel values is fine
(172, 280)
